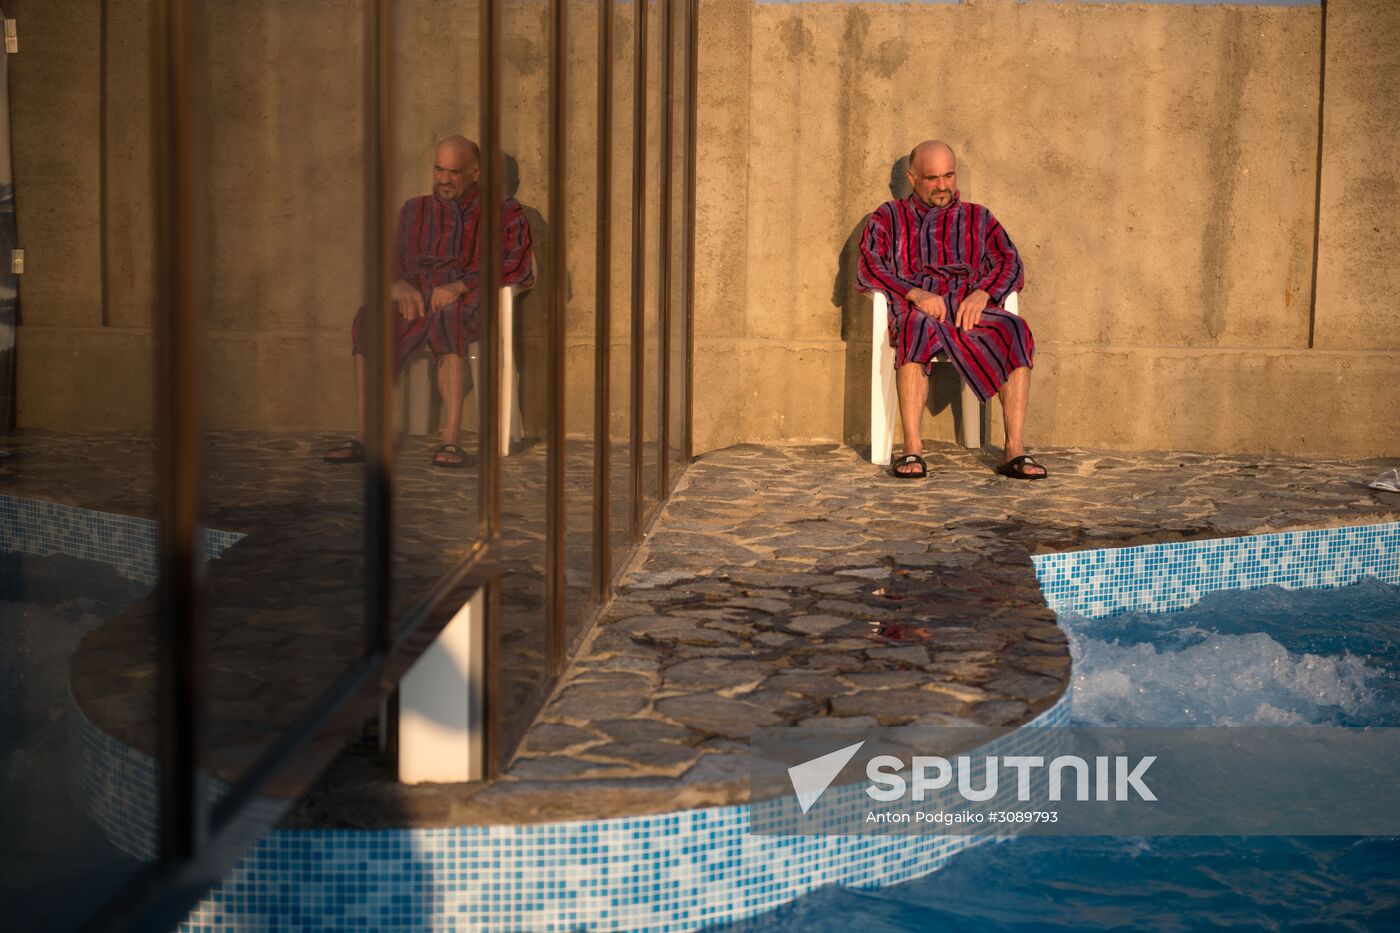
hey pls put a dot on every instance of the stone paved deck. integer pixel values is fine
(802, 586)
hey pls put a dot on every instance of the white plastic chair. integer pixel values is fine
(884, 399)
(418, 379)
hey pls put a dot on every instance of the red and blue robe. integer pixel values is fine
(437, 245)
(948, 251)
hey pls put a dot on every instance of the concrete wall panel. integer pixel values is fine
(85, 379)
(1358, 287)
(1265, 401)
(54, 128)
(1156, 164)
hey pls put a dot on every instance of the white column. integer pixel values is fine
(442, 729)
(884, 399)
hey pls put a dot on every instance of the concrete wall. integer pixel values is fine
(1156, 164)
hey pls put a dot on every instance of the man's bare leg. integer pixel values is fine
(911, 382)
(1014, 394)
(451, 381)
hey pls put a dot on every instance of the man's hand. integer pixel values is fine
(444, 295)
(971, 308)
(407, 299)
(929, 303)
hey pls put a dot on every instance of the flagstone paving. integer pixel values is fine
(803, 587)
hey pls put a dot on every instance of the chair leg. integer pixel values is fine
(517, 417)
(418, 395)
(884, 398)
(474, 369)
(507, 401)
(971, 432)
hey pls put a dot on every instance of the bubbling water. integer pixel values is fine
(1233, 659)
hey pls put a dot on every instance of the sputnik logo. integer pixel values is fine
(811, 778)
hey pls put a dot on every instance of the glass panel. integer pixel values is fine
(77, 662)
(580, 315)
(651, 316)
(620, 344)
(436, 109)
(285, 267)
(524, 638)
(680, 261)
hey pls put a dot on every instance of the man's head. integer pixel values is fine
(456, 167)
(933, 171)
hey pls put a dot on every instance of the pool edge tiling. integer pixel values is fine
(1174, 575)
(663, 872)
(128, 543)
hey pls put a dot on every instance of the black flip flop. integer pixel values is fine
(905, 461)
(356, 453)
(452, 450)
(1016, 468)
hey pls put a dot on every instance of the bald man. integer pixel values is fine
(435, 292)
(946, 266)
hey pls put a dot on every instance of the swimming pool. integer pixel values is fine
(1315, 640)
(55, 861)
(694, 868)
(75, 821)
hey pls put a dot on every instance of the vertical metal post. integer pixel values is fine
(555, 525)
(381, 358)
(692, 55)
(663, 285)
(489, 455)
(180, 244)
(104, 264)
(602, 331)
(639, 195)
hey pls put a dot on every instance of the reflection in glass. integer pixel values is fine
(78, 674)
(284, 605)
(680, 259)
(652, 240)
(523, 640)
(438, 411)
(620, 349)
(580, 319)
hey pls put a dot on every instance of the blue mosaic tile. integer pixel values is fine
(1173, 576)
(663, 872)
(128, 543)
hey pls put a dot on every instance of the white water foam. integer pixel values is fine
(1234, 680)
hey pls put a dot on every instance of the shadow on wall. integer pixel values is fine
(532, 312)
(944, 387)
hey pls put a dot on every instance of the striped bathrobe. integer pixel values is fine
(949, 251)
(437, 244)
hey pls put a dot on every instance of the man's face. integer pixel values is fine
(454, 171)
(935, 178)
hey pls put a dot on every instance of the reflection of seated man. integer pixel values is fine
(946, 266)
(436, 294)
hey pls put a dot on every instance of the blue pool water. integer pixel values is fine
(1263, 657)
